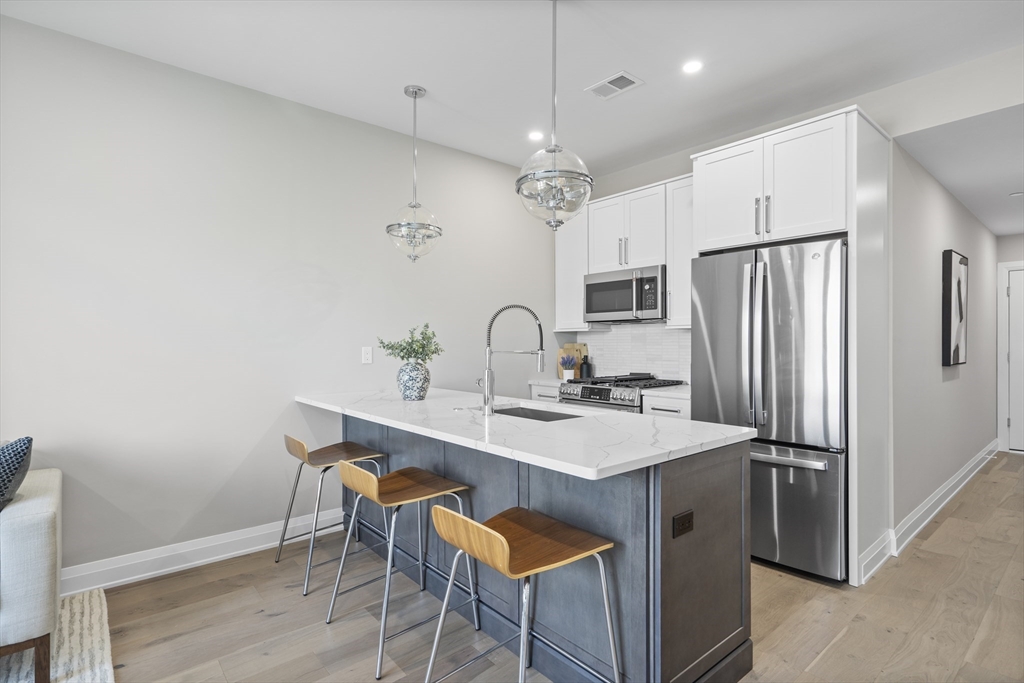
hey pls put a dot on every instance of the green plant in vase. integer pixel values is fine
(418, 349)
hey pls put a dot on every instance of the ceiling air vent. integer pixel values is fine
(619, 83)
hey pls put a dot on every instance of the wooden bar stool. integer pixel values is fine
(519, 543)
(402, 487)
(323, 458)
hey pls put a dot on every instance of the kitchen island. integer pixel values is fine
(680, 591)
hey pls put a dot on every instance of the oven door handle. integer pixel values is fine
(790, 462)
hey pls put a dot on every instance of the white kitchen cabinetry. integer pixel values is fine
(628, 231)
(570, 267)
(679, 250)
(667, 407)
(787, 184)
(542, 393)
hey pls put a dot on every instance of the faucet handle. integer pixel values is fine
(480, 381)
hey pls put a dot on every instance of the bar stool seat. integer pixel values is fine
(520, 543)
(323, 459)
(393, 491)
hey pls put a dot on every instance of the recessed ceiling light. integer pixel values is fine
(536, 135)
(693, 67)
(1017, 194)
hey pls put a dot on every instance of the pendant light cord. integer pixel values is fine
(554, 62)
(415, 202)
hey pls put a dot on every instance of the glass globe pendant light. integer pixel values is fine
(554, 184)
(415, 230)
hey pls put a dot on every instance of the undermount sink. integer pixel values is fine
(534, 414)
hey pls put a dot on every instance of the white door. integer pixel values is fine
(1016, 343)
(645, 228)
(679, 247)
(607, 227)
(727, 197)
(805, 180)
(570, 267)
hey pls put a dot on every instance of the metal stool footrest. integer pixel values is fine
(427, 620)
(477, 658)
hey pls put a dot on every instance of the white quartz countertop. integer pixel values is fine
(596, 445)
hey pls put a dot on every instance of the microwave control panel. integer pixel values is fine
(649, 295)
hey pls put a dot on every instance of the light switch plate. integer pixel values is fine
(367, 354)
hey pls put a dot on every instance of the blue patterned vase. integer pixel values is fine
(413, 381)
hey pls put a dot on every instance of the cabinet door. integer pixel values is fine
(727, 197)
(805, 180)
(607, 223)
(645, 228)
(570, 267)
(679, 243)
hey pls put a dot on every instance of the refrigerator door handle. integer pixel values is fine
(760, 271)
(748, 407)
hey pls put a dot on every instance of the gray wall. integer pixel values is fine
(968, 89)
(942, 417)
(1010, 248)
(182, 256)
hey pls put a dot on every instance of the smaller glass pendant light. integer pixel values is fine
(554, 184)
(415, 230)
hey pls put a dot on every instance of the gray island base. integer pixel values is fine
(680, 592)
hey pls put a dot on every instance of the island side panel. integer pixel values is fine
(569, 609)
(413, 450)
(702, 584)
(371, 435)
(495, 488)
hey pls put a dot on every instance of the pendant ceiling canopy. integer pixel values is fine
(415, 231)
(554, 184)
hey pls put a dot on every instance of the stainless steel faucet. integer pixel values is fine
(488, 378)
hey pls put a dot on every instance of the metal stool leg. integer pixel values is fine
(608, 618)
(474, 596)
(529, 631)
(344, 554)
(288, 512)
(444, 613)
(524, 629)
(312, 532)
(387, 591)
(383, 511)
(419, 539)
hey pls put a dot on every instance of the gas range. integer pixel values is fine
(618, 392)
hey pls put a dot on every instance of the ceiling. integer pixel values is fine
(981, 161)
(486, 65)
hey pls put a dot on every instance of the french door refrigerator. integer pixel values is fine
(769, 351)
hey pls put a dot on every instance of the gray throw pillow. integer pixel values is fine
(14, 461)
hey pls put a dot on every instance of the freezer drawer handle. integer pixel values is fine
(667, 410)
(790, 462)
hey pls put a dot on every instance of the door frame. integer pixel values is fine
(1002, 348)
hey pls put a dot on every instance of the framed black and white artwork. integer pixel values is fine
(954, 308)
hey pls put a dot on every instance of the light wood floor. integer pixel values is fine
(949, 608)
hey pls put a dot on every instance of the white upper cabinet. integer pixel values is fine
(645, 228)
(628, 231)
(570, 267)
(788, 184)
(679, 243)
(607, 234)
(727, 197)
(805, 180)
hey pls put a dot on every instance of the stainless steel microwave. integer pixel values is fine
(625, 296)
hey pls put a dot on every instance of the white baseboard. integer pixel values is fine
(875, 556)
(916, 520)
(133, 567)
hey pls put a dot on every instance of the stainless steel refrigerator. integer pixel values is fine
(769, 351)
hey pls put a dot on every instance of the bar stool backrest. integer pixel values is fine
(472, 538)
(297, 449)
(360, 481)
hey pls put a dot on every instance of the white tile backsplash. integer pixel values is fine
(648, 347)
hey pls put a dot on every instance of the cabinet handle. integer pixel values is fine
(667, 410)
(757, 215)
(620, 251)
(625, 251)
(540, 395)
(767, 213)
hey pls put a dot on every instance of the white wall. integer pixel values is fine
(942, 417)
(1010, 248)
(968, 89)
(182, 256)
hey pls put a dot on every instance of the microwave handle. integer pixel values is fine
(634, 295)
